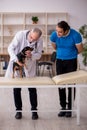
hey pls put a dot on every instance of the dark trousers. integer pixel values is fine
(18, 100)
(65, 66)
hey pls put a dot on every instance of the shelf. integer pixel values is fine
(12, 25)
(36, 24)
(12, 22)
(41, 17)
(13, 18)
(11, 30)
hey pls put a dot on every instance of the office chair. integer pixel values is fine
(48, 64)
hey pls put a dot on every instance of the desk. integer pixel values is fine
(3, 58)
(38, 82)
(45, 57)
(77, 78)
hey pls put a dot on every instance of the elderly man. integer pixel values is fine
(22, 39)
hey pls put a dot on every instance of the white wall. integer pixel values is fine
(77, 9)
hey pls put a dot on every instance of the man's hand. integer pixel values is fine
(20, 64)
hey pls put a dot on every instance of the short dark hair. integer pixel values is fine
(64, 25)
(37, 30)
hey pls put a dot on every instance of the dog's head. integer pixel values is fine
(27, 48)
(22, 55)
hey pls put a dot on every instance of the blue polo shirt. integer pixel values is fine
(66, 45)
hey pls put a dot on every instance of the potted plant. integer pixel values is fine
(35, 19)
(83, 31)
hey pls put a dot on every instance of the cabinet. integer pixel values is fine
(12, 22)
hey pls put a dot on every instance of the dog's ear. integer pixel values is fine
(23, 51)
(26, 49)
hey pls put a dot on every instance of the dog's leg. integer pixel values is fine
(21, 74)
(13, 74)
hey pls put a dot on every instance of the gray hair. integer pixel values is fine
(38, 31)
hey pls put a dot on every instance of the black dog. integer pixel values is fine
(21, 58)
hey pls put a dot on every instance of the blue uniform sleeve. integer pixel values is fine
(77, 38)
(53, 37)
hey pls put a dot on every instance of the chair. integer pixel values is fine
(49, 65)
